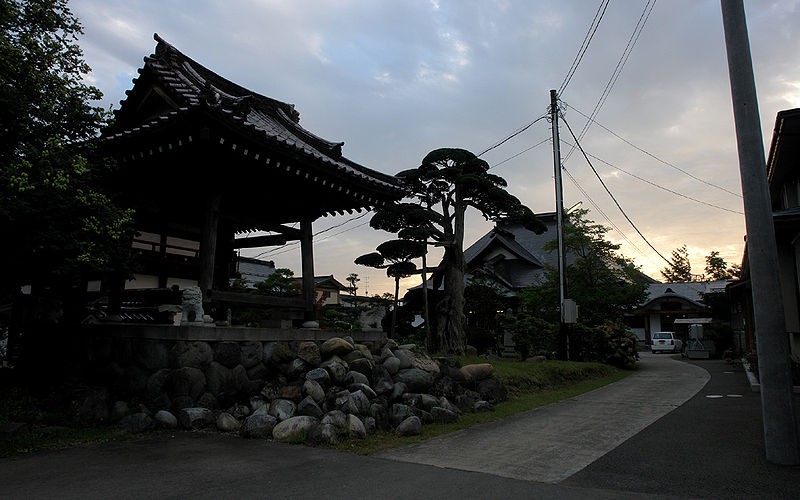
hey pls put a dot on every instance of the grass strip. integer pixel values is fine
(42, 438)
(528, 389)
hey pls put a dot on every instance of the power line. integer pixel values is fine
(659, 186)
(513, 134)
(285, 248)
(637, 30)
(651, 155)
(598, 16)
(521, 153)
(351, 219)
(577, 143)
(601, 212)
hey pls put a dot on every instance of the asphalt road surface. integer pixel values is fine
(706, 447)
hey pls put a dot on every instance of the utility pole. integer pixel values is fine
(780, 431)
(562, 260)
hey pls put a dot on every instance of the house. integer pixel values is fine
(670, 307)
(512, 256)
(253, 270)
(783, 177)
(327, 290)
(202, 160)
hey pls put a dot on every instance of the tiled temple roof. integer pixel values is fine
(189, 87)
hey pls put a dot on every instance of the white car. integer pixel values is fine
(665, 342)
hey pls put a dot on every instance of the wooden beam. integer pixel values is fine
(289, 232)
(252, 298)
(260, 241)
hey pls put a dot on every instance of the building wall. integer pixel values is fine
(141, 281)
(654, 321)
(331, 297)
(788, 276)
(255, 272)
(499, 251)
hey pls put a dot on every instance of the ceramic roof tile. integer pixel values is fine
(193, 86)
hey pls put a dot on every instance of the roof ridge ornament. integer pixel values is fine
(162, 47)
(210, 95)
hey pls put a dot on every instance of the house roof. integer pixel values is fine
(499, 237)
(783, 152)
(526, 245)
(690, 291)
(176, 102)
(325, 281)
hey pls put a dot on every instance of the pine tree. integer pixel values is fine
(717, 268)
(447, 183)
(680, 269)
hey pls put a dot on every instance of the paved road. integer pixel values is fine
(708, 447)
(213, 466)
(551, 443)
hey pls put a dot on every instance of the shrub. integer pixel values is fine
(534, 336)
(610, 343)
(485, 341)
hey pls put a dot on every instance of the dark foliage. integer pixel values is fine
(53, 212)
(448, 181)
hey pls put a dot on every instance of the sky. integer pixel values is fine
(397, 79)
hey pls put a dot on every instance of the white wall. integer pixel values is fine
(655, 323)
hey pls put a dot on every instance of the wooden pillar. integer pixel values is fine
(208, 242)
(225, 255)
(163, 272)
(307, 256)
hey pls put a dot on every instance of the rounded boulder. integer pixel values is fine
(335, 346)
(295, 429)
(416, 380)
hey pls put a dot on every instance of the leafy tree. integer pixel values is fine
(395, 256)
(718, 269)
(605, 284)
(680, 269)
(56, 219)
(446, 183)
(279, 283)
(352, 278)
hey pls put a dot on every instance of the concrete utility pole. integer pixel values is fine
(562, 260)
(780, 429)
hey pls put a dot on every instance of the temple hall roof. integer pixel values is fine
(174, 93)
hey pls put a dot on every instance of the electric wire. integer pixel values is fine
(285, 248)
(637, 30)
(659, 186)
(521, 153)
(578, 144)
(602, 213)
(587, 39)
(651, 155)
(351, 219)
(511, 136)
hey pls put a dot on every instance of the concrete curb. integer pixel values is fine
(753, 381)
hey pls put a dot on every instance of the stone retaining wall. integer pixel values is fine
(175, 367)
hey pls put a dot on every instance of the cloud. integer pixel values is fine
(395, 80)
